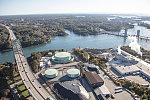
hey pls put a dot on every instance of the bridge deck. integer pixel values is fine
(32, 84)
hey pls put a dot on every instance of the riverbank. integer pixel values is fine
(28, 36)
(73, 41)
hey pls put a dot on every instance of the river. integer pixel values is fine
(76, 41)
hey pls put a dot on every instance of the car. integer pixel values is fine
(118, 91)
(48, 99)
(118, 88)
(112, 96)
(146, 85)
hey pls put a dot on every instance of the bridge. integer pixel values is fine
(37, 91)
(122, 35)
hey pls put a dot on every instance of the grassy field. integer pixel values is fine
(25, 93)
(22, 87)
(9, 82)
(17, 78)
(23, 90)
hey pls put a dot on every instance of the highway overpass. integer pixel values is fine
(37, 91)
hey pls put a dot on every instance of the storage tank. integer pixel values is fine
(62, 57)
(51, 73)
(73, 73)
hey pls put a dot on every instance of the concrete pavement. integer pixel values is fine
(35, 88)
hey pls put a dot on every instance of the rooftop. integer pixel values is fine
(62, 54)
(71, 90)
(126, 69)
(73, 71)
(51, 72)
(72, 85)
(102, 90)
(93, 78)
(90, 65)
(50, 53)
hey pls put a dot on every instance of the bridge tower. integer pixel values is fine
(138, 33)
(125, 34)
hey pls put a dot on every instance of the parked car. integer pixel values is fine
(112, 96)
(118, 91)
(118, 88)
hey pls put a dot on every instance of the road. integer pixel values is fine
(32, 84)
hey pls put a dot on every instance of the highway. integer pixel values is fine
(37, 91)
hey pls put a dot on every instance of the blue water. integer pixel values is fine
(73, 41)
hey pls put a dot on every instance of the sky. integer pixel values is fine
(21, 7)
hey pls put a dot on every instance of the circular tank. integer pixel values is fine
(62, 57)
(51, 73)
(73, 73)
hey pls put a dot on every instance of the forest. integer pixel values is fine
(5, 42)
(36, 29)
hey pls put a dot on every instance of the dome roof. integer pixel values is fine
(73, 71)
(62, 54)
(51, 72)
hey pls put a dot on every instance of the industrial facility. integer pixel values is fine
(94, 79)
(51, 73)
(72, 90)
(73, 73)
(62, 57)
(126, 65)
(125, 70)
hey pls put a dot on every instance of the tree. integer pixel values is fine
(6, 92)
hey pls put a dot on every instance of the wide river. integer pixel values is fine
(76, 41)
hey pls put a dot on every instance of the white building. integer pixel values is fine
(102, 90)
(125, 70)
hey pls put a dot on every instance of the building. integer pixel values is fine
(91, 67)
(62, 57)
(125, 70)
(73, 73)
(94, 79)
(51, 73)
(127, 64)
(71, 90)
(105, 55)
(121, 59)
(93, 50)
(41, 64)
(102, 90)
(50, 54)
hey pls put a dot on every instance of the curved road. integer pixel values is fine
(32, 84)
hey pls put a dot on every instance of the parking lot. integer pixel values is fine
(137, 79)
(124, 95)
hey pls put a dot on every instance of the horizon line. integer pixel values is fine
(137, 14)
